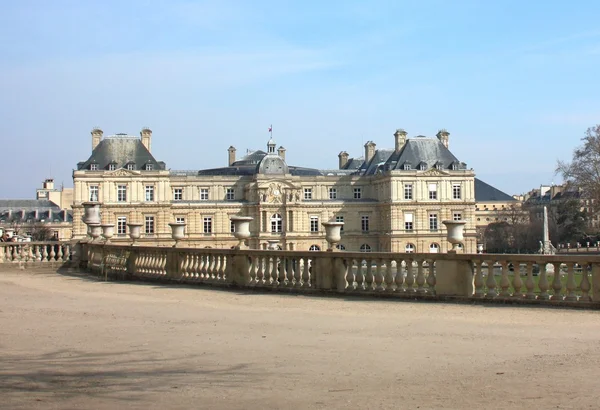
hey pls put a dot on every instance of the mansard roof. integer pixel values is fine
(121, 150)
(487, 193)
(32, 210)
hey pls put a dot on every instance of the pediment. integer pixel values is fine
(284, 184)
(433, 172)
(121, 172)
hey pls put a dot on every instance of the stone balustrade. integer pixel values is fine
(50, 253)
(553, 279)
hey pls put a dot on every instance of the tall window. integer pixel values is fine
(207, 224)
(307, 193)
(456, 194)
(121, 193)
(121, 225)
(365, 247)
(149, 193)
(177, 194)
(94, 193)
(432, 191)
(332, 193)
(230, 194)
(364, 223)
(276, 223)
(340, 219)
(357, 193)
(433, 222)
(408, 222)
(204, 194)
(456, 216)
(314, 224)
(149, 225)
(408, 191)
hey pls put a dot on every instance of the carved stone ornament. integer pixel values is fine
(122, 173)
(433, 172)
(275, 193)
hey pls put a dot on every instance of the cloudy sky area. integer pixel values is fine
(515, 82)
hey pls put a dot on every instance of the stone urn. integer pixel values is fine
(479, 248)
(135, 232)
(177, 231)
(273, 244)
(10, 232)
(241, 228)
(455, 233)
(108, 231)
(333, 234)
(95, 230)
(91, 213)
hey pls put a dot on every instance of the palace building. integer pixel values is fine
(389, 199)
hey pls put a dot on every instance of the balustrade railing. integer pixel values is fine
(564, 279)
(35, 252)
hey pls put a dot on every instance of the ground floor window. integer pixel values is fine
(314, 248)
(365, 247)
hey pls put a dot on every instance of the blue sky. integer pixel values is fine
(515, 82)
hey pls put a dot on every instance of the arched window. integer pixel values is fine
(434, 248)
(276, 223)
(314, 248)
(409, 248)
(340, 246)
(365, 247)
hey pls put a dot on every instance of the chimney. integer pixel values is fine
(369, 151)
(49, 183)
(146, 135)
(281, 152)
(444, 137)
(400, 139)
(96, 137)
(231, 151)
(65, 214)
(343, 156)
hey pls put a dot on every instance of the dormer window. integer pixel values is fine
(422, 166)
(407, 167)
(454, 166)
(112, 167)
(131, 166)
(438, 166)
(149, 167)
(93, 167)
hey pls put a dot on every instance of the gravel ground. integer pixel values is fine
(69, 342)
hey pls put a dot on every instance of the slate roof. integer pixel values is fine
(121, 150)
(487, 193)
(24, 210)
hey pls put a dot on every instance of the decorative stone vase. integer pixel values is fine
(95, 230)
(108, 231)
(479, 248)
(241, 228)
(10, 232)
(91, 213)
(177, 231)
(455, 233)
(273, 244)
(135, 231)
(333, 234)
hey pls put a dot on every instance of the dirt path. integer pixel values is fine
(73, 343)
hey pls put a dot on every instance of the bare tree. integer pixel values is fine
(41, 232)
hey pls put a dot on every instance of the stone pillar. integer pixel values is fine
(454, 277)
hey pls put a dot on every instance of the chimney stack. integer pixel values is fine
(400, 139)
(369, 151)
(343, 156)
(444, 137)
(231, 152)
(146, 135)
(281, 152)
(96, 137)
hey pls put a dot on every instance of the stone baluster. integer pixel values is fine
(431, 280)
(252, 271)
(2, 251)
(23, 253)
(585, 284)
(283, 273)
(556, 283)
(163, 268)
(543, 282)
(274, 271)
(529, 282)
(378, 275)
(67, 252)
(504, 282)
(360, 275)
(29, 256)
(421, 277)
(45, 255)
(307, 280)
(52, 254)
(182, 261)
(491, 280)
(350, 276)
(369, 276)
(261, 277)
(399, 278)
(571, 285)
(478, 280)
(297, 274)
(389, 276)
(59, 253)
(410, 278)
(220, 267)
(517, 282)
(203, 266)
(197, 267)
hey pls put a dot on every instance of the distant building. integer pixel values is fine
(37, 218)
(62, 197)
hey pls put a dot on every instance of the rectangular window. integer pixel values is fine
(207, 224)
(149, 193)
(121, 225)
(457, 216)
(121, 193)
(130, 167)
(432, 191)
(357, 193)
(230, 194)
(94, 189)
(93, 167)
(314, 224)
(180, 220)
(276, 223)
(177, 194)
(332, 193)
(204, 194)
(433, 222)
(149, 167)
(408, 222)
(340, 219)
(307, 193)
(456, 194)
(408, 191)
(112, 167)
(364, 223)
(149, 225)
